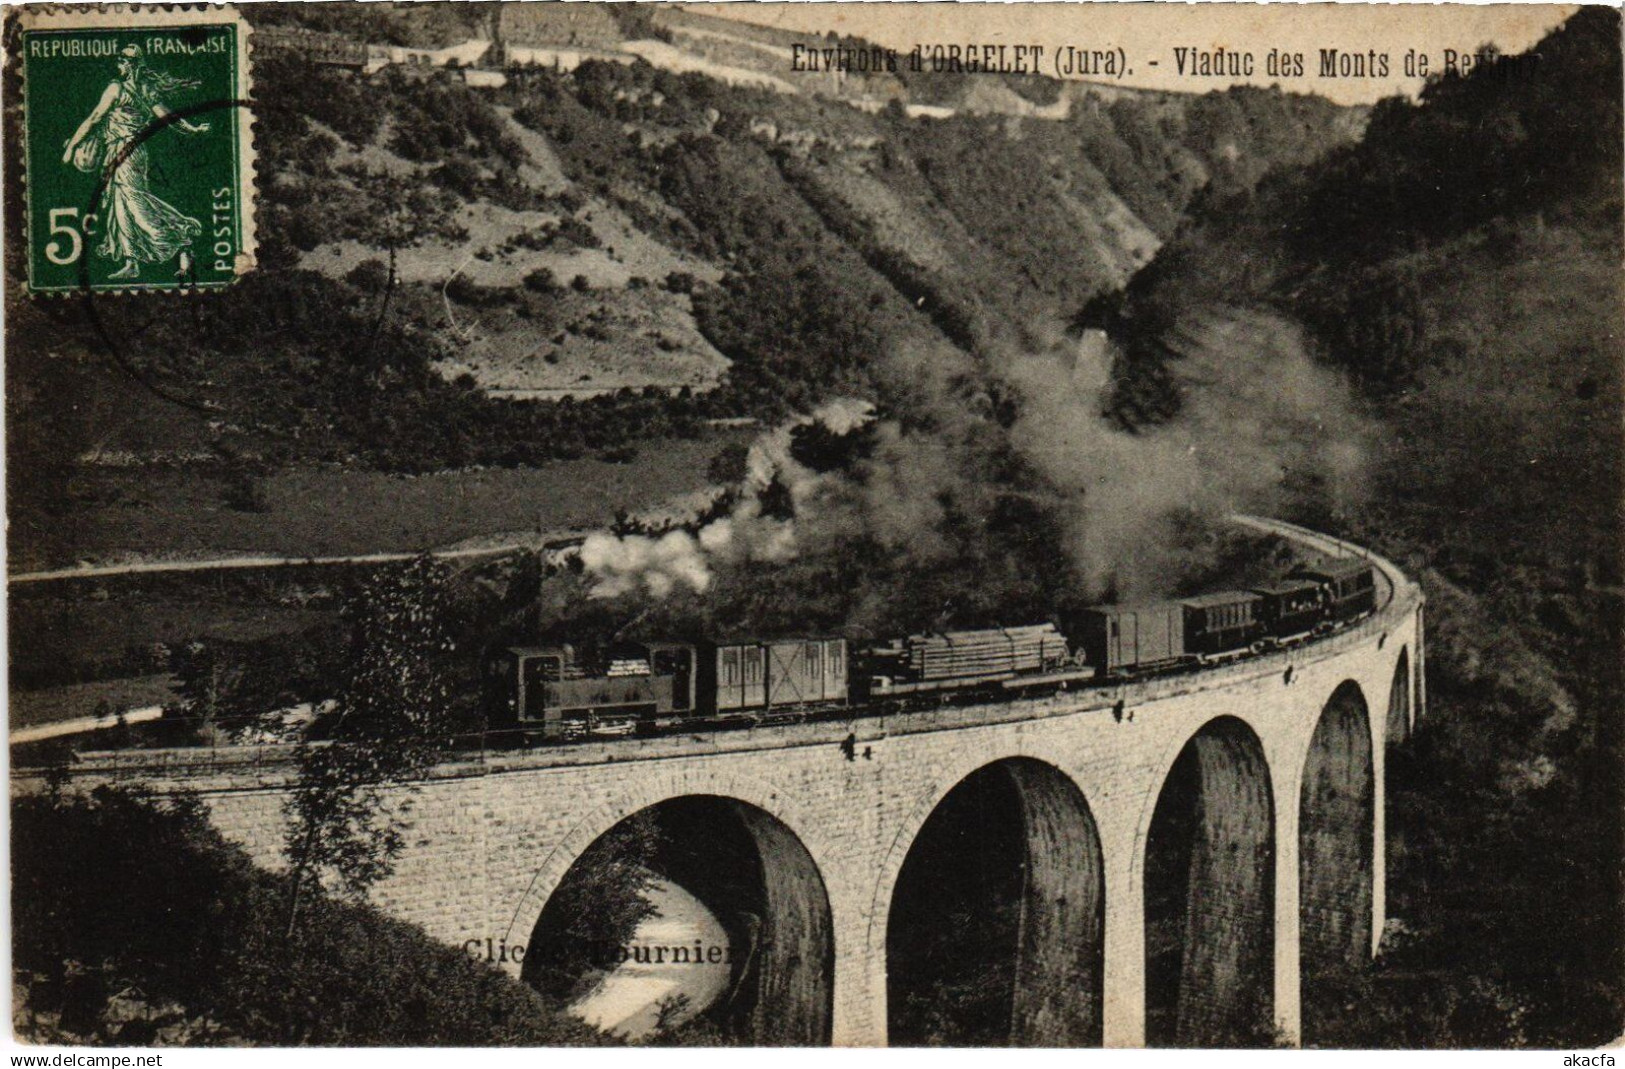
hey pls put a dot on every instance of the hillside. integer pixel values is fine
(432, 251)
(198, 951)
(1461, 265)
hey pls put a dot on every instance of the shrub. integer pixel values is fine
(370, 275)
(543, 280)
(578, 233)
(244, 492)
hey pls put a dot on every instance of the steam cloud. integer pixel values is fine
(932, 485)
(662, 564)
(1260, 422)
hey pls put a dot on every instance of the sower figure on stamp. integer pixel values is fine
(138, 227)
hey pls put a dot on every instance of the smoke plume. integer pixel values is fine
(760, 527)
(983, 486)
(1260, 425)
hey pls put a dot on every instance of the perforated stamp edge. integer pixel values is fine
(119, 16)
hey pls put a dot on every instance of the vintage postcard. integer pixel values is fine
(864, 525)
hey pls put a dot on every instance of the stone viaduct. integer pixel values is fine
(1189, 850)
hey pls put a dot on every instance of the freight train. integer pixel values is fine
(573, 691)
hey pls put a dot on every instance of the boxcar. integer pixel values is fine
(1119, 638)
(733, 677)
(755, 676)
(804, 672)
(1222, 623)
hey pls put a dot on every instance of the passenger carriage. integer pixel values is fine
(1222, 625)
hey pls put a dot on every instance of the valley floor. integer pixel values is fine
(172, 514)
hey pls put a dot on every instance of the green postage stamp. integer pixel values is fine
(139, 161)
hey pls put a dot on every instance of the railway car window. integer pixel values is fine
(753, 666)
(835, 666)
(815, 663)
(730, 668)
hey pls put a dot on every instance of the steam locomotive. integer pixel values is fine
(571, 691)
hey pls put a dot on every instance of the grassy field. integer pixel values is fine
(51, 704)
(88, 632)
(104, 647)
(313, 512)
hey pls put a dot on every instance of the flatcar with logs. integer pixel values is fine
(570, 691)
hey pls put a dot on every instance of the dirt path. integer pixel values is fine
(82, 724)
(224, 563)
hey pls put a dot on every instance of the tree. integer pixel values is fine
(249, 686)
(346, 814)
(542, 280)
(405, 211)
(206, 678)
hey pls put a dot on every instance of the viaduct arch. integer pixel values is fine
(1185, 858)
(995, 923)
(1209, 893)
(1336, 852)
(1400, 720)
(751, 872)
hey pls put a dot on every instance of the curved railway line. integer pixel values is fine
(1388, 580)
